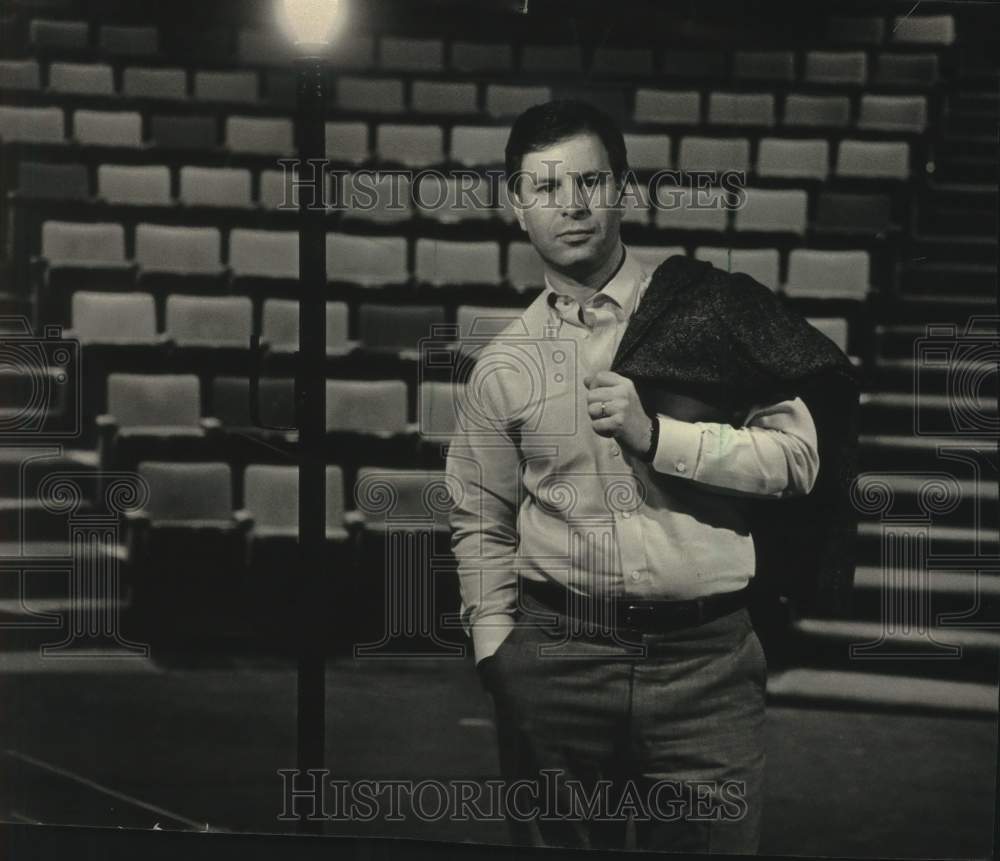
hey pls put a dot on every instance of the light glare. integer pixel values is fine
(310, 22)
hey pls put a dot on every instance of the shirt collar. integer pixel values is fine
(620, 290)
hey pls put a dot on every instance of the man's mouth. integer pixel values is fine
(571, 235)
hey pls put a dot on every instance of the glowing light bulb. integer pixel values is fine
(310, 22)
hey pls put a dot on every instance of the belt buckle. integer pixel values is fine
(635, 613)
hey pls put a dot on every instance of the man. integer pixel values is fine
(602, 534)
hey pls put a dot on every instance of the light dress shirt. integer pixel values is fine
(539, 494)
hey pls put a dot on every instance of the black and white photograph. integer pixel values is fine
(502, 428)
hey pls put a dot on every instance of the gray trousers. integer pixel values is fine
(653, 743)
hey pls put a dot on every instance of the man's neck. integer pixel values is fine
(582, 289)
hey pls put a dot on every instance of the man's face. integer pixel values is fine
(565, 201)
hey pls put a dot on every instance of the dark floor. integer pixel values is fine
(133, 744)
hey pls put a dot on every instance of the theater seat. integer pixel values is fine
(827, 274)
(907, 70)
(271, 496)
(242, 87)
(441, 262)
(671, 107)
(452, 201)
(280, 326)
(397, 328)
(741, 109)
(635, 204)
(507, 100)
(525, 269)
(108, 128)
(836, 67)
(481, 56)
(141, 83)
(368, 95)
(714, 154)
(551, 59)
(114, 318)
(799, 159)
(215, 186)
(19, 75)
(52, 181)
(846, 212)
(479, 324)
(260, 135)
(764, 66)
(835, 328)
(441, 97)
(409, 145)
(31, 125)
(924, 30)
(264, 253)
(213, 322)
(773, 210)
(686, 209)
(806, 110)
(374, 407)
(437, 410)
(231, 407)
(411, 55)
(83, 243)
(761, 264)
(651, 256)
(161, 248)
(347, 142)
(419, 498)
(367, 260)
(382, 197)
(873, 159)
(129, 41)
(693, 65)
(199, 494)
(91, 79)
(479, 146)
(648, 152)
(868, 30)
(893, 113)
(185, 133)
(134, 185)
(55, 35)
(611, 62)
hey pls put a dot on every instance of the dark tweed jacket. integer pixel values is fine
(728, 342)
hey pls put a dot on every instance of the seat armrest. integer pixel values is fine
(243, 519)
(353, 519)
(106, 422)
(210, 424)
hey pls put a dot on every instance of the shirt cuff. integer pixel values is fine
(489, 632)
(679, 448)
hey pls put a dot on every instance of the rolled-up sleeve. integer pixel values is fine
(774, 454)
(483, 466)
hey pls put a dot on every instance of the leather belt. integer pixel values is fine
(627, 614)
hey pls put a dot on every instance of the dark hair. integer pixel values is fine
(540, 126)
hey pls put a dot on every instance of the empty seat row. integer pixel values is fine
(57, 34)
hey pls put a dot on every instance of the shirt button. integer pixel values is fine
(626, 514)
(681, 466)
(615, 451)
(636, 575)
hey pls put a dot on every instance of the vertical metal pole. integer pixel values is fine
(311, 421)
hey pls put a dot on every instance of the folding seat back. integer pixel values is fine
(924, 29)
(893, 113)
(507, 100)
(19, 75)
(410, 145)
(188, 491)
(355, 52)
(741, 109)
(383, 197)
(260, 135)
(154, 400)
(437, 408)
(805, 110)
(162, 248)
(524, 267)
(31, 125)
(782, 157)
(442, 97)
(420, 498)
(108, 317)
(268, 253)
(231, 401)
(833, 274)
(368, 260)
(762, 264)
(397, 327)
(611, 62)
(450, 200)
(271, 495)
(137, 185)
(226, 86)
(215, 186)
(347, 142)
(188, 133)
(49, 34)
(384, 96)
(691, 209)
(836, 67)
(129, 41)
(366, 406)
(673, 107)
(481, 323)
(280, 326)
(714, 154)
(873, 159)
(479, 146)
(411, 55)
(635, 204)
(846, 212)
(648, 152)
(210, 321)
(481, 57)
(92, 79)
(773, 210)
(452, 262)
(907, 70)
(856, 31)
(764, 66)
(693, 65)
(651, 256)
(53, 181)
(108, 128)
(835, 328)
(71, 242)
(551, 59)
(263, 48)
